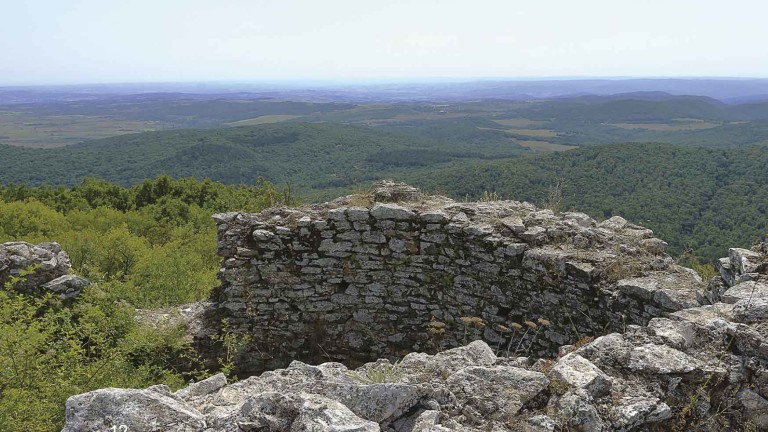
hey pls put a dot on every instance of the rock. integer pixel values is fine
(382, 403)
(751, 310)
(756, 407)
(652, 358)
(540, 423)
(609, 350)
(139, 410)
(299, 412)
(42, 263)
(677, 334)
(426, 421)
(496, 391)
(576, 409)
(745, 291)
(654, 245)
(222, 218)
(671, 291)
(388, 191)
(477, 353)
(633, 412)
(744, 260)
(67, 286)
(204, 387)
(391, 211)
(580, 219)
(514, 224)
(581, 373)
(615, 223)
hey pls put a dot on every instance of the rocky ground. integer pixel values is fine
(701, 368)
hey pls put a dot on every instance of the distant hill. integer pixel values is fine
(311, 156)
(703, 198)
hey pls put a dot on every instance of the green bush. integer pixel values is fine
(141, 252)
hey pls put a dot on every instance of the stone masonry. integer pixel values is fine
(360, 278)
(700, 365)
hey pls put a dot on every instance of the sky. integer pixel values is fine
(104, 41)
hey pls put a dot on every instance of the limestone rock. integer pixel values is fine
(744, 260)
(576, 408)
(746, 291)
(147, 410)
(756, 407)
(662, 359)
(388, 191)
(751, 310)
(581, 373)
(496, 391)
(633, 412)
(671, 291)
(204, 387)
(46, 261)
(67, 286)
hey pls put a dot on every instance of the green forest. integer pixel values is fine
(148, 246)
(699, 199)
(704, 199)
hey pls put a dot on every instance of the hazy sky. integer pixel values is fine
(84, 41)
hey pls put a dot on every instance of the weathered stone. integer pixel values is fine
(67, 286)
(204, 387)
(745, 291)
(615, 223)
(576, 409)
(41, 264)
(662, 359)
(677, 334)
(434, 217)
(654, 245)
(756, 407)
(498, 391)
(147, 410)
(633, 412)
(671, 291)
(391, 211)
(744, 260)
(390, 191)
(749, 311)
(581, 373)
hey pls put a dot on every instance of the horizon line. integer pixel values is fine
(292, 82)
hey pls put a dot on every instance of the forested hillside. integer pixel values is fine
(707, 199)
(311, 156)
(698, 198)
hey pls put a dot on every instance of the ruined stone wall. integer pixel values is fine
(703, 368)
(352, 282)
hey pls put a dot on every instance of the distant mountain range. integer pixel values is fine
(729, 90)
